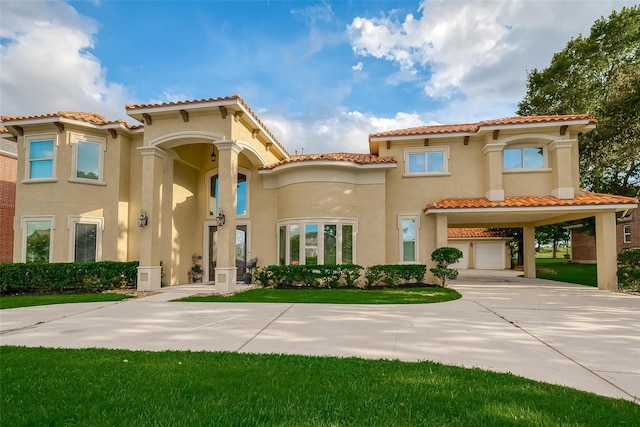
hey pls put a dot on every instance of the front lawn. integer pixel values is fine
(16, 301)
(96, 387)
(420, 295)
(563, 271)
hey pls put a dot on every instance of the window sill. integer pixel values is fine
(87, 181)
(425, 174)
(525, 170)
(38, 181)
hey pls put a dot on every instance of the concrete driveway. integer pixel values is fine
(555, 332)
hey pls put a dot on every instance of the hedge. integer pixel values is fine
(332, 276)
(66, 277)
(629, 269)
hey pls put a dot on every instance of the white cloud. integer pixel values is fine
(357, 67)
(47, 65)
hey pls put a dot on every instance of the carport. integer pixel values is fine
(530, 212)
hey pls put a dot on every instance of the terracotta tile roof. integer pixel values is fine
(237, 98)
(475, 127)
(93, 118)
(473, 233)
(4, 130)
(357, 158)
(584, 199)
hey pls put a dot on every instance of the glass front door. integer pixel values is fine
(241, 251)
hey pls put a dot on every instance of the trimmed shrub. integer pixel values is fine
(443, 257)
(308, 276)
(392, 275)
(66, 277)
(629, 269)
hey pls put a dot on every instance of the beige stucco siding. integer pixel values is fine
(529, 183)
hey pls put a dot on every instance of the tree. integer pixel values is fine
(444, 257)
(552, 234)
(598, 75)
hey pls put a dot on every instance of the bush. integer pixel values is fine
(66, 277)
(443, 257)
(629, 269)
(309, 276)
(392, 275)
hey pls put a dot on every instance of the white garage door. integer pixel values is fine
(489, 256)
(464, 261)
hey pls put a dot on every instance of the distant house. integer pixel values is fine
(583, 244)
(208, 178)
(8, 174)
(482, 249)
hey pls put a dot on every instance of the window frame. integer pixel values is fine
(75, 140)
(211, 214)
(319, 245)
(23, 231)
(444, 149)
(401, 240)
(71, 226)
(27, 149)
(523, 168)
(626, 234)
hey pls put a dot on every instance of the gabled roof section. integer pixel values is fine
(203, 103)
(353, 158)
(584, 199)
(583, 121)
(474, 233)
(93, 119)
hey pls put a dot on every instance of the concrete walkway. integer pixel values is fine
(548, 331)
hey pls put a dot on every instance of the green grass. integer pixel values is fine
(33, 300)
(563, 271)
(336, 296)
(96, 387)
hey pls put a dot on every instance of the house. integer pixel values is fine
(8, 170)
(583, 243)
(208, 178)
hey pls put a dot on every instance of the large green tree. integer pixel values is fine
(598, 75)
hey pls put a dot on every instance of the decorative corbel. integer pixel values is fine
(466, 140)
(426, 142)
(113, 133)
(563, 129)
(147, 119)
(19, 129)
(223, 111)
(267, 146)
(388, 145)
(255, 133)
(496, 134)
(185, 115)
(237, 115)
(59, 126)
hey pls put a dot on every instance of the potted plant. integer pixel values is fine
(196, 273)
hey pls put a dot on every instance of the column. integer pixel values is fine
(493, 171)
(149, 271)
(606, 251)
(561, 166)
(529, 243)
(442, 224)
(225, 274)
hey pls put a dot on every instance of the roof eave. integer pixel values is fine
(495, 209)
(331, 163)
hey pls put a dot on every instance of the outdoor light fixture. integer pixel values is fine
(213, 154)
(220, 218)
(143, 219)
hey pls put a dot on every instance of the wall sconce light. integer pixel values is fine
(220, 218)
(143, 219)
(213, 154)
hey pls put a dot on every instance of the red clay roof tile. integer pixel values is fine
(453, 233)
(82, 116)
(584, 199)
(357, 158)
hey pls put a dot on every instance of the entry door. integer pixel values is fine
(241, 250)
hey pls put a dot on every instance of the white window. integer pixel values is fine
(85, 238)
(524, 158)
(242, 193)
(626, 233)
(408, 226)
(40, 157)
(37, 238)
(426, 160)
(316, 242)
(87, 165)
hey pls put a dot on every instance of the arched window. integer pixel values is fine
(242, 196)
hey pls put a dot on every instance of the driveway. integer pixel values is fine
(555, 332)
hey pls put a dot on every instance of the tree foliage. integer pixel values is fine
(443, 257)
(598, 75)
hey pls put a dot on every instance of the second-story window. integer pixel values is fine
(88, 160)
(524, 158)
(242, 194)
(41, 158)
(427, 160)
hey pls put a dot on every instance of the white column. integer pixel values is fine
(529, 243)
(606, 251)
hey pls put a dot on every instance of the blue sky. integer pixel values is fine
(322, 75)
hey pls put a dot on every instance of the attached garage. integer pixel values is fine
(482, 249)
